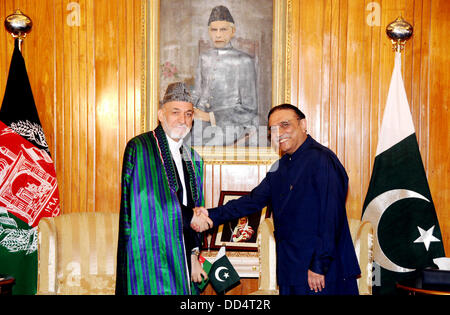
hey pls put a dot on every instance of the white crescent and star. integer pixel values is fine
(373, 213)
(426, 237)
(218, 271)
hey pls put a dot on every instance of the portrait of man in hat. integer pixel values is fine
(225, 93)
(225, 57)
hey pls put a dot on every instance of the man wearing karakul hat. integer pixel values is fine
(225, 92)
(162, 180)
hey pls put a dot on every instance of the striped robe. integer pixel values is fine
(151, 256)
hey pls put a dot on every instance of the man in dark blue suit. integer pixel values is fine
(307, 189)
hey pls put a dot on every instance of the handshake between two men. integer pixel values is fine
(200, 220)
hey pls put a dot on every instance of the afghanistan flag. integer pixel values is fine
(206, 265)
(222, 274)
(398, 202)
(28, 188)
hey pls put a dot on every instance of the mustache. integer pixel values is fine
(185, 131)
(182, 126)
(279, 138)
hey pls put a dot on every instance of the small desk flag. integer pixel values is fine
(222, 275)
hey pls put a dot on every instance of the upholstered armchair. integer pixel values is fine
(77, 253)
(362, 236)
(267, 282)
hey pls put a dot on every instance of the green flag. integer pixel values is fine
(206, 265)
(222, 275)
(398, 203)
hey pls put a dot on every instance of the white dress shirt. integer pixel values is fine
(175, 150)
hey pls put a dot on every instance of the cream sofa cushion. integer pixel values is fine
(77, 253)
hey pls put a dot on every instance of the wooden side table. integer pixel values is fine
(416, 287)
(6, 284)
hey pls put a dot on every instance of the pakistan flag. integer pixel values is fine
(222, 274)
(398, 203)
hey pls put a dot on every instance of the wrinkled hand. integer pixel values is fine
(316, 281)
(200, 221)
(197, 272)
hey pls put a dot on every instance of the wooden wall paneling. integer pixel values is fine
(88, 18)
(375, 116)
(62, 160)
(384, 68)
(129, 85)
(41, 66)
(81, 192)
(55, 93)
(326, 65)
(294, 53)
(310, 70)
(135, 68)
(333, 84)
(412, 59)
(139, 64)
(366, 84)
(340, 81)
(5, 54)
(122, 65)
(106, 86)
(73, 72)
(439, 115)
(354, 102)
(421, 84)
(58, 94)
(370, 29)
(67, 112)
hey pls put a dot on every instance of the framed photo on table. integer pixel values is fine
(239, 234)
(176, 33)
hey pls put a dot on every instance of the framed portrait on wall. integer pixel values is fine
(235, 65)
(239, 234)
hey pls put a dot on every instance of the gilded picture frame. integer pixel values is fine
(151, 91)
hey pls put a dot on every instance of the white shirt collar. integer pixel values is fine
(174, 145)
(175, 150)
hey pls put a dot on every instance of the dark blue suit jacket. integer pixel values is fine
(307, 191)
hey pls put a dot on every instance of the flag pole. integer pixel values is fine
(399, 31)
(18, 25)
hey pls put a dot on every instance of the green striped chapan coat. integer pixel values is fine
(151, 256)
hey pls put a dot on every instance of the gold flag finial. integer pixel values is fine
(18, 25)
(399, 31)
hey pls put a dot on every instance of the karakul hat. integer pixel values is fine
(220, 13)
(177, 92)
